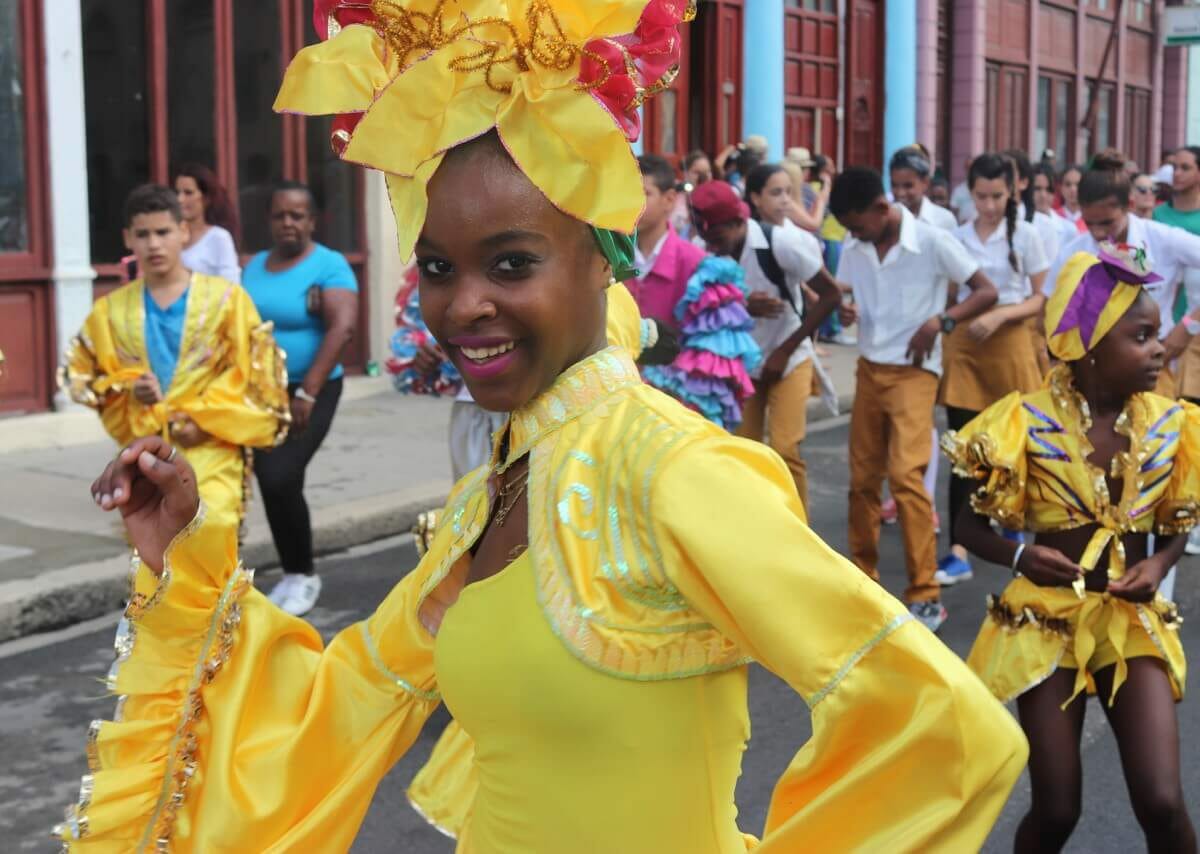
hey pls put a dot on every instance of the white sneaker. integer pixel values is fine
(282, 589)
(303, 595)
(1193, 543)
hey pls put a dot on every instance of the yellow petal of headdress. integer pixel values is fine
(562, 82)
(1091, 295)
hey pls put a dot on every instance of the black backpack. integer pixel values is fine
(772, 270)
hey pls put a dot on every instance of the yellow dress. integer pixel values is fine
(1032, 452)
(230, 379)
(661, 549)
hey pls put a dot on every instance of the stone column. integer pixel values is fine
(66, 140)
(927, 78)
(968, 84)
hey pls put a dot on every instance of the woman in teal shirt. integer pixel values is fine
(310, 293)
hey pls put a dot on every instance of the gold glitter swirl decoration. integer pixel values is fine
(560, 82)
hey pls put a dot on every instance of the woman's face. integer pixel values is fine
(909, 188)
(1043, 193)
(699, 172)
(991, 197)
(1129, 358)
(191, 199)
(511, 287)
(1187, 176)
(1106, 220)
(1070, 188)
(292, 222)
(775, 200)
(1142, 196)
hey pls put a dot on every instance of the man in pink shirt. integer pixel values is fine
(665, 261)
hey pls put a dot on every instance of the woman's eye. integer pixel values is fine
(434, 267)
(514, 263)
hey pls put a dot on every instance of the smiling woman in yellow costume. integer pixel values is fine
(589, 604)
(1093, 462)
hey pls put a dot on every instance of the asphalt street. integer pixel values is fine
(50, 689)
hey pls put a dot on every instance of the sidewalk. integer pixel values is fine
(62, 560)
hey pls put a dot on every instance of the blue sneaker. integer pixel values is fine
(951, 570)
(1012, 536)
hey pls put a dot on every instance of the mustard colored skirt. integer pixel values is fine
(1031, 631)
(974, 376)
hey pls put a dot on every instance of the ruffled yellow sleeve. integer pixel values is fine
(889, 701)
(991, 449)
(1179, 511)
(235, 730)
(247, 404)
(92, 375)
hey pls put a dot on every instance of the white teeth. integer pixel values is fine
(481, 354)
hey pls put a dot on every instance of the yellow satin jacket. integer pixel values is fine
(660, 548)
(231, 379)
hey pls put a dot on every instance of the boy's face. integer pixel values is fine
(157, 240)
(659, 205)
(869, 224)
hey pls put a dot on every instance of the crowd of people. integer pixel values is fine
(611, 558)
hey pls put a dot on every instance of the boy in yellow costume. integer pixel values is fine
(589, 605)
(1093, 463)
(181, 355)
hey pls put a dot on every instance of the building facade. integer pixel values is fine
(101, 95)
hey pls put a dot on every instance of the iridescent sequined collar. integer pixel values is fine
(576, 391)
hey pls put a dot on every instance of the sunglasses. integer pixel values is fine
(1140, 188)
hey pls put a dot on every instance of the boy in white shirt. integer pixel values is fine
(899, 269)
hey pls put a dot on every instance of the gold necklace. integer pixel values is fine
(516, 489)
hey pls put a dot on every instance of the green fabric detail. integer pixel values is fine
(617, 248)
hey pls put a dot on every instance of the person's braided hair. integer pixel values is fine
(989, 167)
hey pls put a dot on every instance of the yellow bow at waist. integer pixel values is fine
(1094, 611)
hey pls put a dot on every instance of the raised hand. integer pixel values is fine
(155, 489)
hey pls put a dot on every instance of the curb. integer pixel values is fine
(63, 597)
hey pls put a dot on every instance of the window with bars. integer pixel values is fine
(14, 181)
(1055, 117)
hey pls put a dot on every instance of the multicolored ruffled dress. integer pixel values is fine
(410, 336)
(711, 374)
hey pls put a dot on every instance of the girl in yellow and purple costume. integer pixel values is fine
(1093, 463)
(602, 670)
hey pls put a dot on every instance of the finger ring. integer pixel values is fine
(174, 451)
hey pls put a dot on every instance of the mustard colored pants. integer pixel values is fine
(784, 408)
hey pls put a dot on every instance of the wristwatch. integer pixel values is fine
(948, 324)
(304, 395)
(1191, 325)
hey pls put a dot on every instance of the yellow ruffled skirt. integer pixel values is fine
(1031, 631)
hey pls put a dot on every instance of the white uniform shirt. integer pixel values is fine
(214, 254)
(1170, 252)
(908, 287)
(1054, 231)
(937, 216)
(1012, 286)
(799, 255)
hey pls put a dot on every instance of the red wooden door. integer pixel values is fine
(864, 85)
(811, 75)
(665, 128)
(715, 76)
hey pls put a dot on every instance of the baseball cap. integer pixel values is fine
(1165, 174)
(715, 203)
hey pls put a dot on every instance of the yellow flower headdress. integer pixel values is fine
(560, 82)
(1092, 294)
